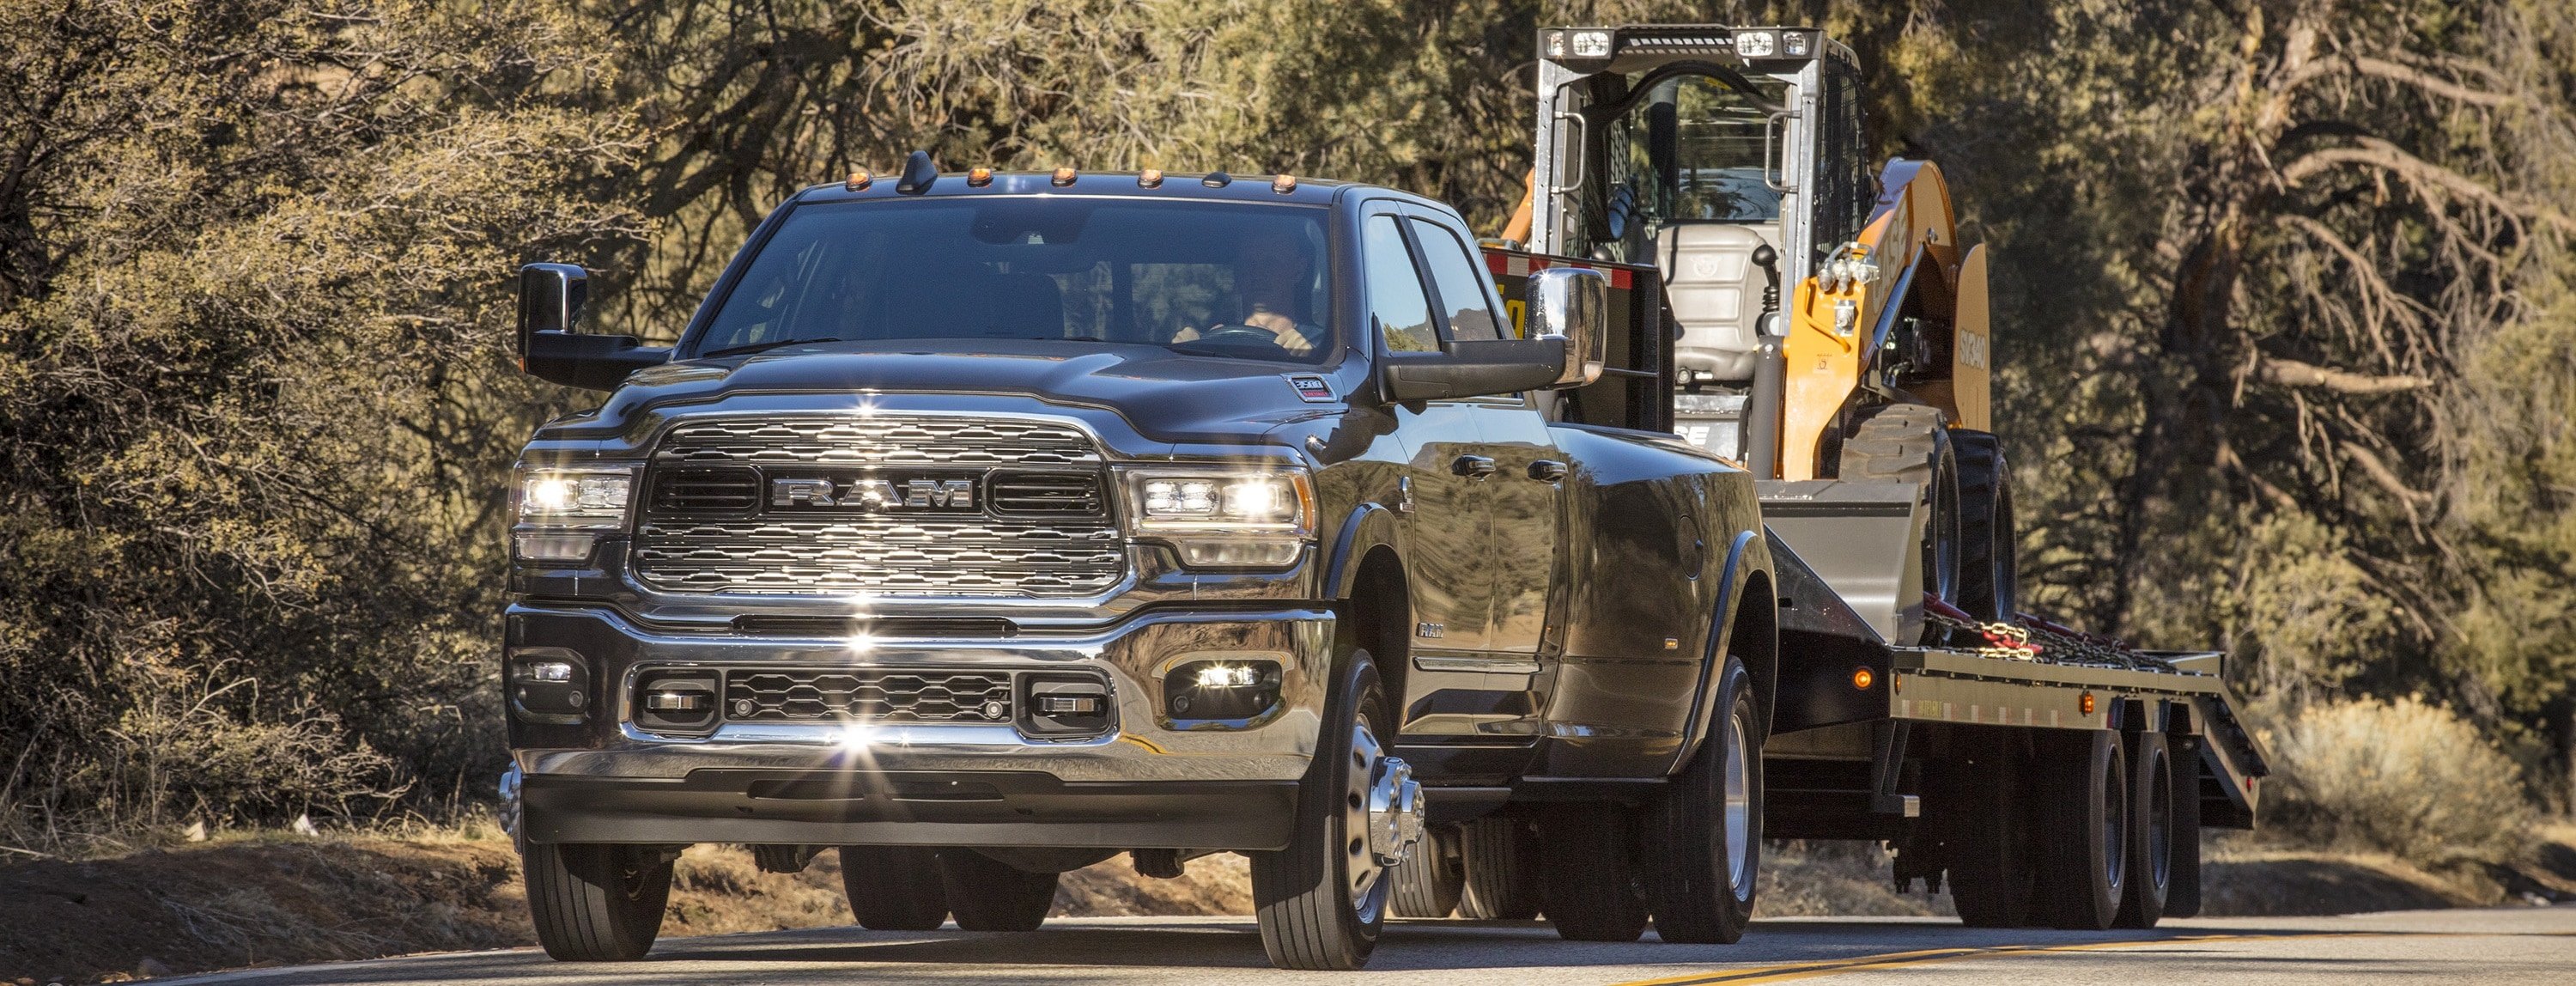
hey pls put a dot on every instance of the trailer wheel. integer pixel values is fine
(596, 902)
(894, 888)
(2182, 900)
(1587, 873)
(1984, 811)
(1910, 443)
(1322, 901)
(1703, 837)
(2151, 811)
(1501, 860)
(1429, 884)
(1989, 576)
(2084, 829)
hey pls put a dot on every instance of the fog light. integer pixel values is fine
(676, 701)
(545, 671)
(1062, 706)
(548, 684)
(1221, 693)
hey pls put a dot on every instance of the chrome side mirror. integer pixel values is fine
(1571, 306)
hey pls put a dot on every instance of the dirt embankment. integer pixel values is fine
(283, 900)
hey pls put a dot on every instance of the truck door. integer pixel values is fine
(1521, 493)
(1445, 531)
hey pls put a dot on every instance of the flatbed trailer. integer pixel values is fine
(1942, 752)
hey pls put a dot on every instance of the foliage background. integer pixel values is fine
(2290, 358)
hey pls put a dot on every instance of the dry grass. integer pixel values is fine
(2405, 779)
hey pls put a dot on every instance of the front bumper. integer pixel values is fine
(1150, 782)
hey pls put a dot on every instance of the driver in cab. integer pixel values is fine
(1272, 275)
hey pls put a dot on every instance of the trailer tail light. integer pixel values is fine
(1862, 678)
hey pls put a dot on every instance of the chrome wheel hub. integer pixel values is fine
(1381, 819)
(1394, 812)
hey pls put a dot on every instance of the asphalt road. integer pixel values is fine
(2512, 945)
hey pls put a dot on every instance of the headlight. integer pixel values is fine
(559, 508)
(1254, 518)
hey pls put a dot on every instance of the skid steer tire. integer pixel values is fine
(596, 902)
(894, 888)
(1910, 443)
(1989, 578)
(1703, 836)
(1588, 875)
(2151, 859)
(987, 894)
(1501, 859)
(1429, 884)
(1321, 902)
(1983, 809)
(2084, 823)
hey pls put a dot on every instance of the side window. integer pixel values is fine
(1395, 289)
(1471, 316)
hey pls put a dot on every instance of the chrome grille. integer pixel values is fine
(767, 695)
(1033, 534)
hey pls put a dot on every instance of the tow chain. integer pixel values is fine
(2032, 638)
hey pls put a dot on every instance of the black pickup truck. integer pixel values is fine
(985, 526)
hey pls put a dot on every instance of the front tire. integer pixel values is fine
(1323, 900)
(1703, 838)
(596, 902)
(894, 888)
(987, 894)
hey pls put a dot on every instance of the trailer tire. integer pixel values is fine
(894, 888)
(2150, 882)
(1500, 856)
(1989, 574)
(1910, 443)
(1429, 884)
(1984, 811)
(2183, 899)
(2084, 823)
(1587, 873)
(1321, 902)
(596, 902)
(987, 894)
(1703, 836)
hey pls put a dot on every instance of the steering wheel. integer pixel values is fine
(1239, 333)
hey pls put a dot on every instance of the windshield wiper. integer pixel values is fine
(762, 346)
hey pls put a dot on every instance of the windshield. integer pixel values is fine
(1694, 149)
(1213, 278)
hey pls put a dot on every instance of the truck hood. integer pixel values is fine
(1164, 395)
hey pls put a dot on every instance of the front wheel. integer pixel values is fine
(1703, 838)
(595, 902)
(1322, 901)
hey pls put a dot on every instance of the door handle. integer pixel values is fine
(1547, 470)
(1473, 466)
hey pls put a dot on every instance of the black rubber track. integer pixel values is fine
(1302, 894)
(1501, 859)
(987, 894)
(1429, 884)
(596, 902)
(894, 888)
(1587, 873)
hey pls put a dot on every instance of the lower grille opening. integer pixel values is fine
(880, 626)
(868, 696)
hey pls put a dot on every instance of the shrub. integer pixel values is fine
(2405, 778)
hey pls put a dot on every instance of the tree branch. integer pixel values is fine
(2292, 373)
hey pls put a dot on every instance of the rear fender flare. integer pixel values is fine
(1743, 560)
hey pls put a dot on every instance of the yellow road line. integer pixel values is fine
(1900, 960)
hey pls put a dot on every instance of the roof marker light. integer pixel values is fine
(979, 177)
(1150, 178)
(1217, 179)
(1284, 184)
(1063, 177)
(859, 180)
